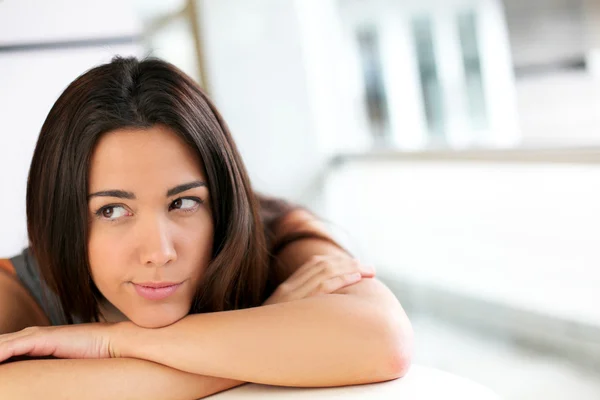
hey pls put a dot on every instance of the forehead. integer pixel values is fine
(131, 156)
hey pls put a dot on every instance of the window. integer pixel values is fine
(431, 89)
(477, 109)
(375, 97)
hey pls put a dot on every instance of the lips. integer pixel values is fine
(157, 285)
(156, 290)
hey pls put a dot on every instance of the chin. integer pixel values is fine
(156, 321)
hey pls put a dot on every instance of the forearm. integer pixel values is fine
(104, 379)
(329, 340)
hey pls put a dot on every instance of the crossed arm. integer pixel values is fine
(358, 334)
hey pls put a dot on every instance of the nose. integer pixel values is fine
(157, 247)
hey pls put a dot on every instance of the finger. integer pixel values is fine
(336, 283)
(340, 266)
(306, 271)
(320, 268)
(13, 348)
(6, 343)
(30, 345)
(340, 269)
(339, 263)
(367, 271)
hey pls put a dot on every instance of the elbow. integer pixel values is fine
(400, 362)
(397, 350)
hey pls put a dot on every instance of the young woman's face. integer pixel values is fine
(151, 229)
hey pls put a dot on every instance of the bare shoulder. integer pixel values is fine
(300, 219)
(18, 309)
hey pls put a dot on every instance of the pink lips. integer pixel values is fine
(156, 290)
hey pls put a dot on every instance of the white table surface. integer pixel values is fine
(419, 383)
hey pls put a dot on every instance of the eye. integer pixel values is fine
(111, 213)
(185, 204)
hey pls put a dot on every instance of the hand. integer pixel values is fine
(93, 340)
(320, 275)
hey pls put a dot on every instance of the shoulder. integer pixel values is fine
(27, 273)
(280, 217)
(7, 266)
(18, 307)
(272, 209)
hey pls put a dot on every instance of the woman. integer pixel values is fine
(162, 273)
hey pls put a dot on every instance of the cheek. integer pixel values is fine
(196, 247)
(106, 257)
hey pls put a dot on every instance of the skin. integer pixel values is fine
(151, 237)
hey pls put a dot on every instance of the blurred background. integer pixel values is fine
(454, 144)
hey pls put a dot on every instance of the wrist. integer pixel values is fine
(125, 338)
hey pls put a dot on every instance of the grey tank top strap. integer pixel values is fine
(29, 274)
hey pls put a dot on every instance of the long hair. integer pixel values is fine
(127, 93)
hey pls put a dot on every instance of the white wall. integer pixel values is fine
(31, 80)
(257, 73)
(333, 78)
(33, 21)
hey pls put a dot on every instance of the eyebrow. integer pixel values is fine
(184, 187)
(122, 194)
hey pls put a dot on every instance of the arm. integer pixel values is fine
(90, 379)
(358, 335)
(104, 379)
(302, 250)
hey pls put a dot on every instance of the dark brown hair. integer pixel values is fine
(127, 93)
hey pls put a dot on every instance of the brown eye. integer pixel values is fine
(176, 204)
(185, 204)
(111, 213)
